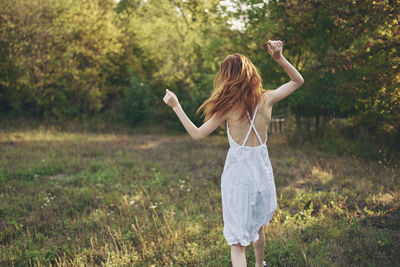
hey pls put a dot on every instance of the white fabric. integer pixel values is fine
(247, 190)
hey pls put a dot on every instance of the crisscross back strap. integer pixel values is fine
(252, 126)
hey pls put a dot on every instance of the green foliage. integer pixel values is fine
(138, 101)
(347, 53)
(70, 60)
(195, 97)
(61, 52)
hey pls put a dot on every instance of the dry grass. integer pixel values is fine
(114, 199)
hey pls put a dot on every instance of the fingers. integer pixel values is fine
(168, 92)
(168, 96)
(271, 46)
(275, 44)
(276, 48)
(165, 98)
(269, 49)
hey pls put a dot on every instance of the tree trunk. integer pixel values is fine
(298, 124)
(308, 127)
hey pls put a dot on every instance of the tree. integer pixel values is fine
(62, 53)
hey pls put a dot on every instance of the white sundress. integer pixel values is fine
(247, 189)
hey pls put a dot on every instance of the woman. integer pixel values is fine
(247, 183)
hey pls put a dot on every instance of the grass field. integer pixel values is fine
(115, 199)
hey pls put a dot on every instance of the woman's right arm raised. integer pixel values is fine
(275, 50)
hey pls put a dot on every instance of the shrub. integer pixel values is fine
(137, 100)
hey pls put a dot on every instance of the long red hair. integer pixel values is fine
(237, 83)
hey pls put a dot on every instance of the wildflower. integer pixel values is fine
(153, 206)
(132, 202)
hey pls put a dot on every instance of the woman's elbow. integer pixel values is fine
(200, 134)
(299, 83)
(197, 137)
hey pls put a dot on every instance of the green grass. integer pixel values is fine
(119, 199)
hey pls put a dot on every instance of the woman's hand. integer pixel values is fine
(170, 99)
(275, 48)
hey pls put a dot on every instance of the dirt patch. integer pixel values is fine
(57, 177)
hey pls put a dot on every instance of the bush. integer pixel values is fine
(137, 102)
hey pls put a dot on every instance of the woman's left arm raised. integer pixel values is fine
(197, 133)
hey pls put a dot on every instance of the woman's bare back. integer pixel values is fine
(238, 129)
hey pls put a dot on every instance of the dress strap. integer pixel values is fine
(252, 126)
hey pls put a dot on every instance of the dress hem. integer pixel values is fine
(257, 236)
